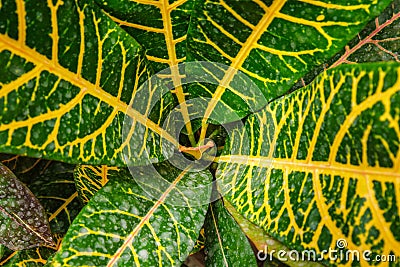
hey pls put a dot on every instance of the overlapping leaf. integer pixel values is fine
(57, 193)
(34, 257)
(67, 78)
(226, 244)
(273, 42)
(23, 220)
(266, 245)
(160, 27)
(323, 163)
(89, 179)
(378, 41)
(135, 229)
(53, 184)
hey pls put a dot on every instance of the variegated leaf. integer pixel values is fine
(323, 163)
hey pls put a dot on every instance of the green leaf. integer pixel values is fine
(57, 193)
(378, 41)
(135, 229)
(30, 258)
(23, 220)
(263, 242)
(34, 257)
(89, 179)
(322, 163)
(226, 244)
(273, 42)
(160, 27)
(2, 247)
(68, 76)
(199, 245)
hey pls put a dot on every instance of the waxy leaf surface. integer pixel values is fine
(322, 163)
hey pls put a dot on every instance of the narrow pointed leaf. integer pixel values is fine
(324, 164)
(161, 28)
(263, 242)
(67, 78)
(122, 226)
(89, 179)
(273, 42)
(226, 244)
(23, 220)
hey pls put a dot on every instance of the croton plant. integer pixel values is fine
(199, 132)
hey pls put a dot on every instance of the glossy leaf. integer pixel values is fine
(67, 78)
(23, 220)
(199, 245)
(57, 193)
(89, 179)
(160, 27)
(264, 243)
(226, 244)
(135, 230)
(378, 41)
(34, 257)
(323, 163)
(273, 42)
(55, 189)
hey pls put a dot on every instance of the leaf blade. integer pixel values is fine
(321, 154)
(226, 244)
(75, 126)
(141, 241)
(22, 212)
(259, 34)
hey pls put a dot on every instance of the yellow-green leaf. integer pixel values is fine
(322, 163)
(274, 42)
(135, 229)
(226, 245)
(67, 77)
(89, 179)
(161, 28)
(23, 220)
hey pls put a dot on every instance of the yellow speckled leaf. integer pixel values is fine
(160, 27)
(89, 179)
(323, 163)
(67, 76)
(274, 42)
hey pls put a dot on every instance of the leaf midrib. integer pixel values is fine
(146, 218)
(379, 173)
(84, 85)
